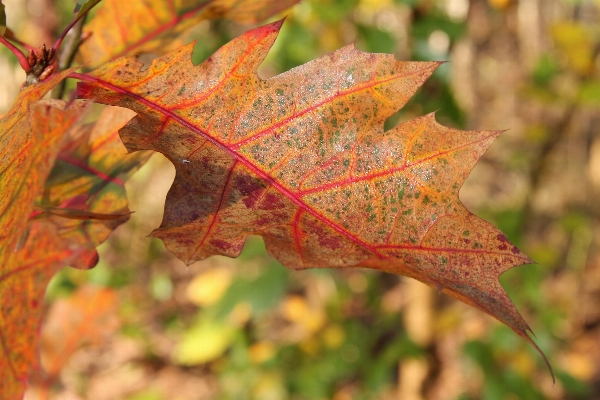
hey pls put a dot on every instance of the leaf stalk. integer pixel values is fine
(20, 56)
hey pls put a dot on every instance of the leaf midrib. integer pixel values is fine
(262, 174)
(239, 157)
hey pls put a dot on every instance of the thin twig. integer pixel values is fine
(80, 16)
(540, 164)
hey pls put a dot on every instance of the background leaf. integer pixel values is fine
(120, 29)
(87, 317)
(30, 143)
(88, 181)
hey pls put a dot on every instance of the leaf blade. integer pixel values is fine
(27, 150)
(29, 134)
(302, 160)
(155, 26)
(84, 196)
(83, 6)
(31, 142)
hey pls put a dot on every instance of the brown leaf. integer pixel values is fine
(302, 160)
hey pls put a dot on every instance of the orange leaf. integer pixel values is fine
(27, 152)
(22, 288)
(126, 28)
(29, 141)
(302, 160)
(87, 178)
(88, 316)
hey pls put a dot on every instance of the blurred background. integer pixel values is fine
(143, 326)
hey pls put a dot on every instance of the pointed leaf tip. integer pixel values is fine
(541, 353)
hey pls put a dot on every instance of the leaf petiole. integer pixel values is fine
(20, 56)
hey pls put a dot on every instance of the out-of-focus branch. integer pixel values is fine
(540, 164)
(67, 53)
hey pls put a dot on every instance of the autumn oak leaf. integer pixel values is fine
(126, 28)
(61, 194)
(302, 160)
(87, 317)
(27, 153)
(30, 135)
(84, 196)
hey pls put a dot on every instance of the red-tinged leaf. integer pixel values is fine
(87, 317)
(29, 144)
(22, 289)
(29, 141)
(84, 196)
(86, 180)
(302, 160)
(72, 213)
(126, 28)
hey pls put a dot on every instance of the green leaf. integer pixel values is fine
(589, 93)
(203, 342)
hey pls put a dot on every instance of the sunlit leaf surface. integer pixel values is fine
(123, 28)
(302, 160)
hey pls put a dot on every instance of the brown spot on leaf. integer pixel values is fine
(271, 202)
